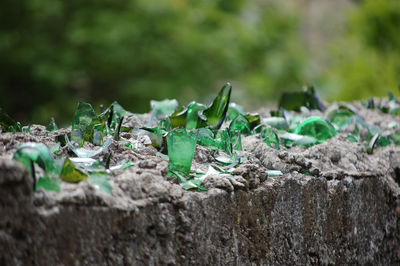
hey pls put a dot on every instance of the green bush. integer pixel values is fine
(55, 52)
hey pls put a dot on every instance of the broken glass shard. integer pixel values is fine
(206, 138)
(84, 153)
(236, 139)
(38, 153)
(217, 111)
(317, 128)
(240, 123)
(49, 183)
(71, 173)
(394, 137)
(84, 119)
(178, 118)
(234, 110)
(272, 173)
(254, 120)
(163, 108)
(295, 100)
(181, 146)
(372, 143)
(194, 113)
(276, 122)
(52, 125)
(77, 137)
(55, 148)
(223, 140)
(100, 181)
(98, 135)
(290, 139)
(269, 136)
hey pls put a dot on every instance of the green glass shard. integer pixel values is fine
(294, 122)
(223, 140)
(276, 122)
(100, 181)
(77, 137)
(25, 129)
(38, 153)
(269, 136)
(181, 146)
(234, 110)
(163, 108)
(98, 134)
(341, 115)
(71, 173)
(179, 176)
(353, 138)
(383, 141)
(240, 123)
(217, 111)
(394, 137)
(236, 139)
(372, 143)
(118, 129)
(49, 183)
(7, 123)
(272, 173)
(52, 125)
(254, 120)
(178, 118)
(206, 138)
(123, 165)
(55, 148)
(194, 113)
(84, 153)
(393, 125)
(193, 184)
(317, 128)
(84, 119)
(290, 139)
(295, 100)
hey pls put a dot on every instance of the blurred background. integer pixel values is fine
(54, 53)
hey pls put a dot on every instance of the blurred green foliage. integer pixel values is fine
(366, 61)
(54, 53)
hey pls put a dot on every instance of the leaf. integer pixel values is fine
(100, 181)
(217, 111)
(254, 120)
(71, 173)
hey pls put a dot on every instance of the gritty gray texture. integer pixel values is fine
(346, 213)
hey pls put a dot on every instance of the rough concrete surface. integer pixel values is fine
(346, 213)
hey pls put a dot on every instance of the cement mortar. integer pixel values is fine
(347, 212)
